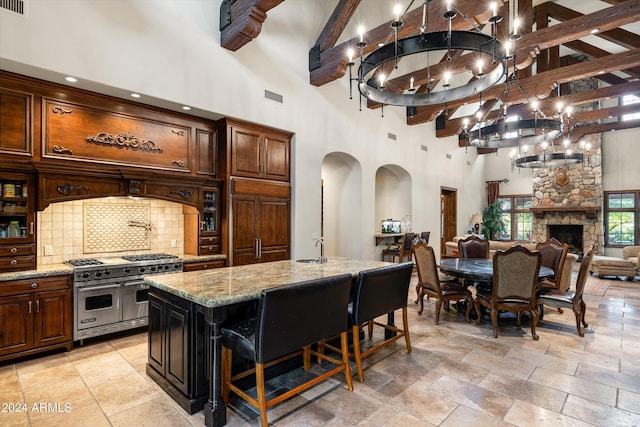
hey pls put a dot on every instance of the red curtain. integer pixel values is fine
(493, 191)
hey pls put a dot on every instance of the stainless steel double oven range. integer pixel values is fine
(110, 294)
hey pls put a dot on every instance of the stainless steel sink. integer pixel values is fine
(309, 260)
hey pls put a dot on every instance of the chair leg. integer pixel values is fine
(438, 307)
(479, 319)
(370, 329)
(421, 300)
(583, 309)
(405, 327)
(519, 320)
(356, 351)
(320, 350)
(534, 322)
(226, 373)
(494, 321)
(306, 357)
(344, 346)
(417, 293)
(262, 398)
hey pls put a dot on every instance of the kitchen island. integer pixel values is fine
(186, 312)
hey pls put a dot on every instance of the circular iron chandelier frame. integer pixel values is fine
(526, 131)
(549, 160)
(428, 42)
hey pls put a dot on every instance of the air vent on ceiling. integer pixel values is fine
(424, 148)
(273, 96)
(16, 6)
(448, 156)
(391, 136)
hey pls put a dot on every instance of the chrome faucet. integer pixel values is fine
(323, 259)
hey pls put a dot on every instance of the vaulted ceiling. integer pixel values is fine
(559, 45)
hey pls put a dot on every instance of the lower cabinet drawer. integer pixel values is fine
(205, 265)
(209, 249)
(16, 250)
(35, 285)
(16, 262)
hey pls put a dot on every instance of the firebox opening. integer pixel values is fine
(569, 234)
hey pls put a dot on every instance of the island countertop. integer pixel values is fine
(223, 286)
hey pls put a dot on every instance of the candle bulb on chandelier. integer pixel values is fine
(411, 83)
(494, 9)
(397, 9)
(350, 54)
(361, 33)
(449, 5)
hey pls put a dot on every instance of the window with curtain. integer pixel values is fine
(622, 213)
(518, 217)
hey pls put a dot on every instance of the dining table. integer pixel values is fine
(478, 269)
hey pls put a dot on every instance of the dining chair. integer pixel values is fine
(425, 236)
(572, 299)
(377, 292)
(473, 247)
(289, 319)
(429, 282)
(401, 250)
(515, 280)
(554, 255)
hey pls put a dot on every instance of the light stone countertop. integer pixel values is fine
(49, 270)
(224, 286)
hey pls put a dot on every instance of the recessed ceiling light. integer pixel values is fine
(135, 95)
(601, 72)
(595, 30)
(71, 79)
(186, 108)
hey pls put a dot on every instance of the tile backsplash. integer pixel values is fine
(94, 228)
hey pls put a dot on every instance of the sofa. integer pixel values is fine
(451, 249)
(627, 266)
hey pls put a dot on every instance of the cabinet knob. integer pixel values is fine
(205, 266)
(14, 261)
(14, 250)
(34, 285)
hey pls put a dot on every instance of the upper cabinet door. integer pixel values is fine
(259, 153)
(276, 157)
(246, 152)
(207, 148)
(15, 117)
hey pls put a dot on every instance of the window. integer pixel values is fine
(514, 134)
(622, 213)
(628, 100)
(517, 215)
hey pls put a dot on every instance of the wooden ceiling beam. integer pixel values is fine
(616, 35)
(336, 24)
(584, 117)
(243, 21)
(540, 85)
(581, 131)
(595, 52)
(548, 106)
(608, 78)
(333, 60)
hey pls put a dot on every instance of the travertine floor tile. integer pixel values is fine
(157, 413)
(573, 385)
(89, 415)
(596, 413)
(524, 414)
(73, 394)
(464, 416)
(124, 393)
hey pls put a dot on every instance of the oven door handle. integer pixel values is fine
(141, 284)
(97, 288)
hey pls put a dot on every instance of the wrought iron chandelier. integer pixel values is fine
(371, 76)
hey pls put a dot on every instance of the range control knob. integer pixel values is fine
(166, 267)
(153, 268)
(107, 272)
(126, 270)
(142, 269)
(98, 273)
(85, 275)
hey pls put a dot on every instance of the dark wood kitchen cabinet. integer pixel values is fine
(178, 349)
(254, 151)
(17, 222)
(260, 216)
(16, 109)
(36, 316)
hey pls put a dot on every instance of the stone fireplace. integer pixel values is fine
(571, 196)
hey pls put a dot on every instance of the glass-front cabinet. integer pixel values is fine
(17, 222)
(202, 225)
(210, 212)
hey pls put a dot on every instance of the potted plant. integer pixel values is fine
(492, 223)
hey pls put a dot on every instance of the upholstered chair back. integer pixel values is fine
(515, 274)
(473, 247)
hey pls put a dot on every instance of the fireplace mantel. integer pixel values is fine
(588, 211)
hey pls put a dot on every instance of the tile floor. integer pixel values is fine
(457, 374)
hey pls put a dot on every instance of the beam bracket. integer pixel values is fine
(225, 14)
(314, 58)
